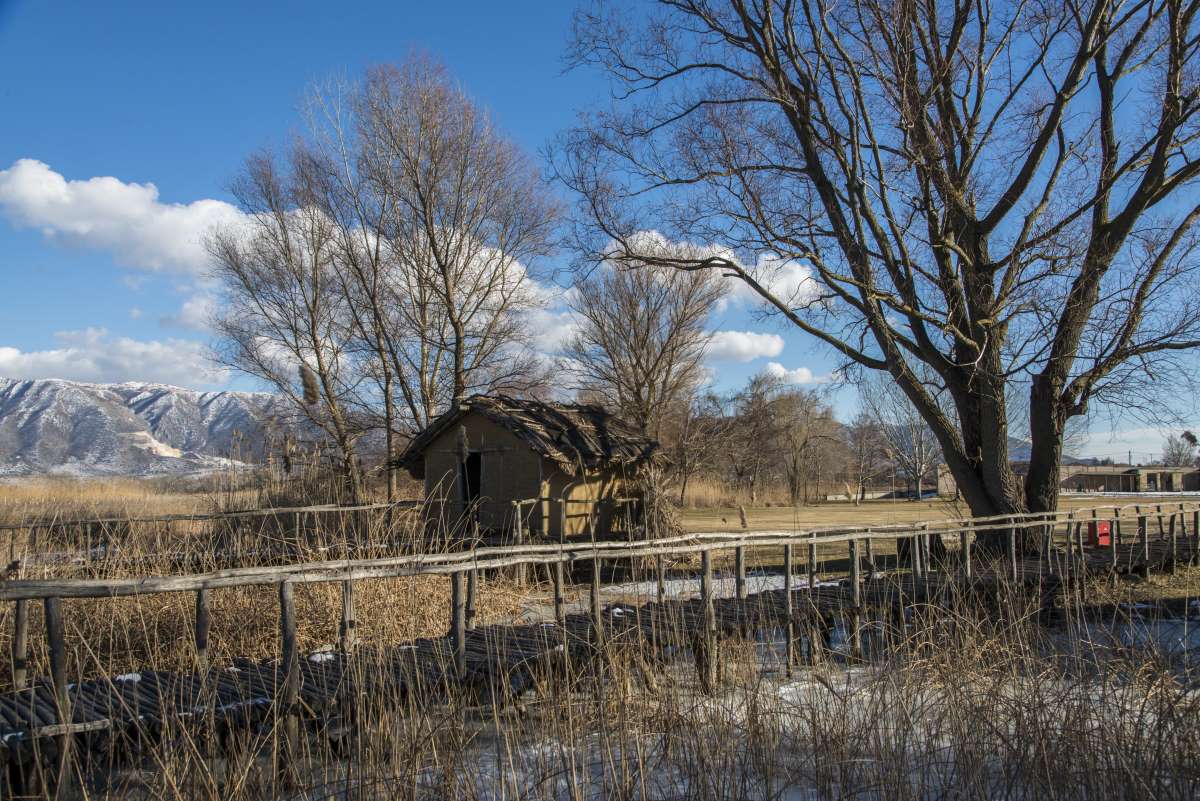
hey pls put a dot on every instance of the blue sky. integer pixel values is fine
(101, 273)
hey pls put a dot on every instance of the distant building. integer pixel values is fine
(567, 468)
(1104, 478)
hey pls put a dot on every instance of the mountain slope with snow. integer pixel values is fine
(52, 426)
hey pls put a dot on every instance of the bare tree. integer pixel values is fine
(805, 426)
(697, 433)
(641, 338)
(907, 439)
(466, 217)
(1180, 451)
(756, 435)
(432, 223)
(993, 191)
(284, 319)
(863, 449)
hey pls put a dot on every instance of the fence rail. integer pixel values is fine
(495, 557)
(1061, 556)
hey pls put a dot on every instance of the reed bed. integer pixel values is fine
(961, 700)
(957, 705)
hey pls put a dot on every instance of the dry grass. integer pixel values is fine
(961, 704)
(958, 705)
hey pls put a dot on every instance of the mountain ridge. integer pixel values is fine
(60, 427)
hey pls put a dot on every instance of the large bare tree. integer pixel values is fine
(430, 223)
(641, 338)
(994, 193)
(284, 319)
(463, 215)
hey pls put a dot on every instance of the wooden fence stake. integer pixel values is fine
(1012, 550)
(20, 645)
(739, 569)
(790, 631)
(855, 599)
(56, 642)
(347, 634)
(290, 666)
(812, 568)
(661, 572)
(521, 568)
(597, 610)
(472, 579)
(1144, 540)
(560, 615)
(203, 625)
(1173, 535)
(708, 662)
(964, 543)
(1114, 538)
(458, 621)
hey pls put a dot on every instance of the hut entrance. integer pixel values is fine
(472, 476)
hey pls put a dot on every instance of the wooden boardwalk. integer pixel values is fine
(114, 715)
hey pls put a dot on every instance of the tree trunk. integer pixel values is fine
(389, 436)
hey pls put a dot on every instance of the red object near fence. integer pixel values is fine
(1099, 533)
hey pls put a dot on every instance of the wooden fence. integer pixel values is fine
(1063, 554)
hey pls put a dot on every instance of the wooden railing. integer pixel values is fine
(1063, 528)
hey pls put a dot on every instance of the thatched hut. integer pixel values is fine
(546, 470)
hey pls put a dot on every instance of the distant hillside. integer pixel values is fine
(71, 428)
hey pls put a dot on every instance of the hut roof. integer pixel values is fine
(569, 434)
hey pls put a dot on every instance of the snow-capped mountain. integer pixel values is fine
(73, 428)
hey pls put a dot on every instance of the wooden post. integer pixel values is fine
(812, 568)
(926, 551)
(739, 562)
(918, 561)
(1195, 535)
(347, 634)
(871, 557)
(458, 621)
(203, 625)
(20, 645)
(708, 664)
(597, 610)
(521, 568)
(855, 599)
(1078, 549)
(790, 630)
(56, 643)
(964, 543)
(289, 694)
(469, 612)
(1144, 540)
(1173, 537)
(661, 573)
(1012, 549)
(560, 615)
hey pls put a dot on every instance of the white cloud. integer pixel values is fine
(799, 375)
(104, 213)
(550, 329)
(135, 313)
(91, 354)
(743, 346)
(195, 313)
